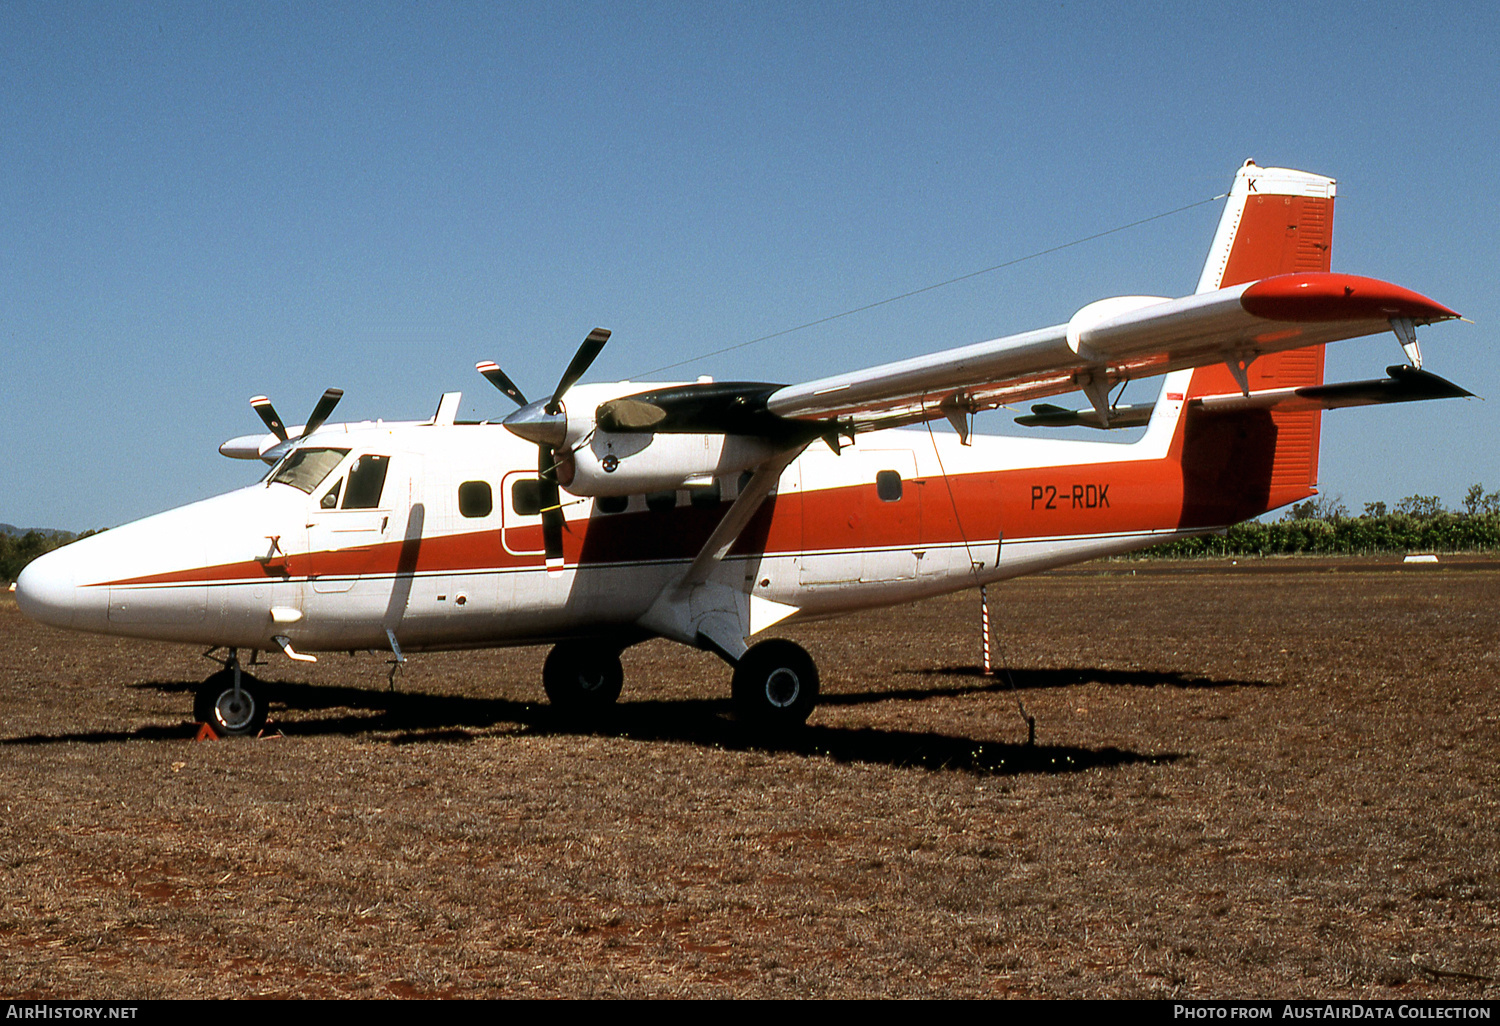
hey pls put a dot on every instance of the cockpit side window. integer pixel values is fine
(366, 481)
(305, 469)
(330, 498)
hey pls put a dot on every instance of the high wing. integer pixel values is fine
(1266, 287)
(1114, 340)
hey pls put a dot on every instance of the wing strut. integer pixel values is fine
(714, 615)
(735, 521)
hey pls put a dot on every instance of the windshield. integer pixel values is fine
(306, 468)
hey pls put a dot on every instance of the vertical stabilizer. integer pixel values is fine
(1277, 221)
(1239, 465)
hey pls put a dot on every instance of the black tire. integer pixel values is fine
(775, 685)
(580, 681)
(231, 716)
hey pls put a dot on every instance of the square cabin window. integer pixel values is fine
(475, 499)
(888, 486)
(526, 496)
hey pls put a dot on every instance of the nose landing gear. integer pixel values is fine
(231, 701)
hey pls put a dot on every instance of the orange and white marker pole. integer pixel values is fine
(984, 624)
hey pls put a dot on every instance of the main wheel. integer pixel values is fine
(581, 681)
(775, 685)
(229, 710)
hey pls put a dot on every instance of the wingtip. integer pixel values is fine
(1329, 296)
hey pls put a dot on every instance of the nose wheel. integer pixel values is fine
(231, 707)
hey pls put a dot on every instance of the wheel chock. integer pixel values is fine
(206, 733)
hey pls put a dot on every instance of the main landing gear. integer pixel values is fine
(774, 688)
(775, 685)
(231, 701)
(582, 682)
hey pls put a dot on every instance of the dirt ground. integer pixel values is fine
(1277, 779)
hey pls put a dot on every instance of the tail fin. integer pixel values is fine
(1277, 221)
(1239, 465)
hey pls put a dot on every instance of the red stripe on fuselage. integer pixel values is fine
(1107, 498)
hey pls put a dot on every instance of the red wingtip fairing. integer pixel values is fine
(1323, 296)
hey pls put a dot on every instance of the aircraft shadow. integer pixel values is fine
(408, 717)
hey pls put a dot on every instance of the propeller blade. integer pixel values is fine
(267, 412)
(551, 502)
(580, 365)
(497, 377)
(322, 410)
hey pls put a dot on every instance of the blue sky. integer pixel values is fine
(202, 202)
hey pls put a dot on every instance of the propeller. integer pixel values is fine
(497, 377)
(544, 423)
(273, 420)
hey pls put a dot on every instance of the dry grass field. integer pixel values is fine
(1277, 779)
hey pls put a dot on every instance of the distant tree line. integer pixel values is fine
(1324, 526)
(17, 549)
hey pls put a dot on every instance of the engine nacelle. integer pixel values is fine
(615, 464)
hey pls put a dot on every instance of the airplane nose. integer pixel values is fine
(47, 590)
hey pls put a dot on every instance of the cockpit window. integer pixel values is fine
(366, 481)
(306, 468)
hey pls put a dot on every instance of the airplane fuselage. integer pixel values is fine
(449, 554)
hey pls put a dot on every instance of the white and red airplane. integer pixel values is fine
(607, 514)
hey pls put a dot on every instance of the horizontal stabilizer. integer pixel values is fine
(1405, 385)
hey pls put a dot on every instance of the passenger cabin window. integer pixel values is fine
(475, 499)
(526, 496)
(659, 502)
(888, 486)
(366, 482)
(305, 469)
(612, 503)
